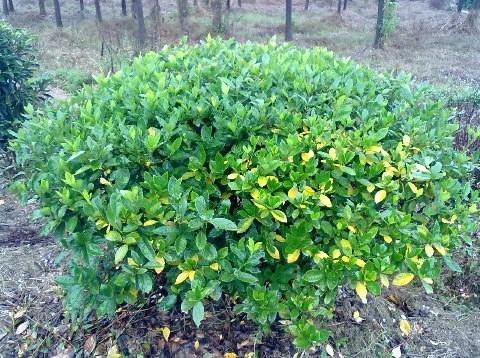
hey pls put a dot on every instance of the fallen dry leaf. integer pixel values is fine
(90, 344)
(22, 327)
(396, 352)
(20, 313)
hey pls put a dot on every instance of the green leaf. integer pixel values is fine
(198, 313)
(224, 224)
(313, 276)
(120, 254)
(113, 236)
(452, 265)
(166, 303)
(245, 277)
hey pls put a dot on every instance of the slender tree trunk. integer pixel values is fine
(5, 8)
(11, 8)
(142, 32)
(41, 7)
(339, 7)
(195, 3)
(98, 10)
(82, 5)
(124, 8)
(183, 14)
(344, 5)
(58, 15)
(460, 5)
(133, 9)
(217, 15)
(228, 5)
(239, 2)
(288, 20)
(379, 28)
(307, 3)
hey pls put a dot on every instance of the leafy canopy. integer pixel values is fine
(270, 173)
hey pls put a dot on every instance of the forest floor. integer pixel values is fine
(435, 45)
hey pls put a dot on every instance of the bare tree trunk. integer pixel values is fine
(11, 8)
(98, 10)
(217, 15)
(183, 14)
(379, 28)
(288, 21)
(5, 8)
(124, 8)
(460, 5)
(239, 2)
(41, 7)
(195, 3)
(142, 32)
(82, 5)
(133, 9)
(307, 3)
(58, 15)
(339, 7)
(344, 5)
(228, 5)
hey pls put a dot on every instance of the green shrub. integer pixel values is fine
(269, 173)
(17, 65)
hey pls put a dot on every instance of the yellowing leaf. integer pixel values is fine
(275, 253)
(346, 259)
(152, 131)
(325, 201)
(403, 279)
(232, 176)
(336, 254)
(319, 256)
(307, 156)
(291, 258)
(384, 280)
(279, 215)
(360, 263)
(255, 193)
(150, 222)
(361, 291)
(279, 238)
(181, 277)
(292, 193)
(166, 333)
(308, 191)
(380, 196)
(332, 153)
(191, 275)
(373, 149)
(352, 229)
(105, 182)
(258, 205)
(406, 140)
(441, 250)
(215, 266)
(262, 181)
(387, 239)
(405, 326)
(370, 188)
(161, 261)
(230, 355)
(290, 159)
(131, 262)
(412, 187)
(429, 250)
(345, 244)
(196, 345)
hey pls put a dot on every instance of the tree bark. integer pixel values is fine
(98, 10)
(288, 20)
(124, 8)
(217, 15)
(339, 7)
(5, 8)
(142, 32)
(11, 8)
(378, 43)
(58, 15)
(239, 2)
(195, 3)
(82, 5)
(460, 5)
(182, 6)
(133, 9)
(228, 5)
(344, 5)
(307, 3)
(41, 7)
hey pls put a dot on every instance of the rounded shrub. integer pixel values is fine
(17, 65)
(268, 173)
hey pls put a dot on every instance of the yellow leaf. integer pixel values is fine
(161, 261)
(360, 263)
(332, 153)
(131, 262)
(279, 215)
(275, 253)
(255, 193)
(380, 196)
(262, 181)
(308, 191)
(352, 229)
(307, 156)
(413, 187)
(292, 193)
(403, 279)
(232, 176)
(345, 259)
(429, 250)
(181, 277)
(191, 275)
(319, 256)
(373, 149)
(215, 266)
(336, 254)
(406, 140)
(230, 355)
(384, 280)
(290, 159)
(105, 182)
(361, 291)
(166, 333)
(279, 238)
(291, 258)
(325, 201)
(258, 205)
(133, 292)
(152, 131)
(405, 327)
(387, 239)
(345, 244)
(441, 250)
(196, 345)
(370, 188)
(150, 222)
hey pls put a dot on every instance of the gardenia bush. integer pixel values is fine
(268, 173)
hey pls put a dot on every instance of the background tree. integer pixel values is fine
(239, 2)
(124, 8)
(217, 15)
(378, 43)
(460, 5)
(183, 14)
(307, 3)
(142, 32)
(228, 5)
(5, 7)
(98, 10)
(11, 8)
(58, 15)
(82, 5)
(345, 5)
(339, 7)
(41, 7)
(288, 20)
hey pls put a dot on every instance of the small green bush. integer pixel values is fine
(269, 173)
(17, 65)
